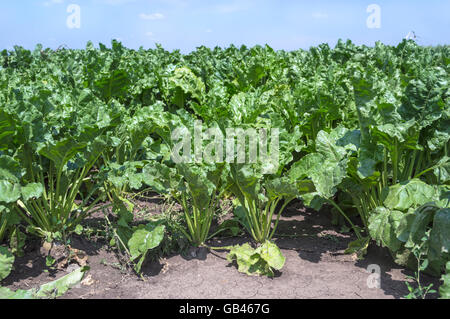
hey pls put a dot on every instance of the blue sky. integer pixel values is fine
(187, 24)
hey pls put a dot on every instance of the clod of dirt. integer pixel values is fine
(79, 256)
(165, 264)
(88, 281)
(55, 250)
(64, 255)
(71, 268)
(46, 247)
(75, 255)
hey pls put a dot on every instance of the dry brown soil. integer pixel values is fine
(316, 267)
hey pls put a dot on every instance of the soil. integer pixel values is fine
(316, 267)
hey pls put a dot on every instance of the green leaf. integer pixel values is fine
(413, 193)
(185, 80)
(6, 262)
(404, 229)
(61, 152)
(439, 245)
(17, 242)
(32, 190)
(442, 170)
(305, 166)
(9, 169)
(78, 230)
(420, 224)
(113, 84)
(231, 226)
(241, 216)
(313, 200)
(161, 178)
(358, 247)
(126, 175)
(9, 192)
(143, 239)
(282, 188)
(328, 166)
(383, 227)
(337, 144)
(246, 181)
(7, 129)
(200, 187)
(49, 261)
(444, 290)
(6, 293)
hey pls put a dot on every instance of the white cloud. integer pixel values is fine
(149, 34)
(151, 16)
(208, 30)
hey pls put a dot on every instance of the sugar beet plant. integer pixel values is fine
(397, 157)
(50, 144)
(197, 187)
(363, 130)
(198, 192)
(261, 199)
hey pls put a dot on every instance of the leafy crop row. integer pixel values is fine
(363, 130)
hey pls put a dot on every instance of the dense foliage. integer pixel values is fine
(363, 129)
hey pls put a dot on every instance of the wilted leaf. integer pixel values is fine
(257, 262)
(60, 286)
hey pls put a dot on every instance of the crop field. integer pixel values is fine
(239, 172)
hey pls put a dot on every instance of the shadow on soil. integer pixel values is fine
(310, 233)
(152, 268)
(315, 239)
(381, 257)
(29, 266)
